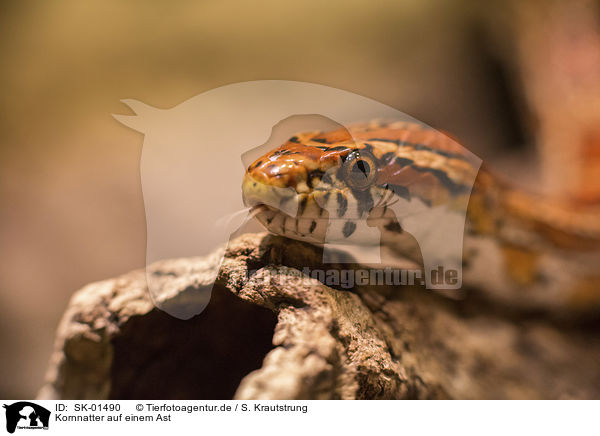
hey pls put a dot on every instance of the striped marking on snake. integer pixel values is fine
(520, 249)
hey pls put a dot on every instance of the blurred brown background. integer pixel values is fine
(72, 209)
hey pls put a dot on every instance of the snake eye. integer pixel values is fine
(360, 170)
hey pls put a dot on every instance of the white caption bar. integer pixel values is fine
(300, 417)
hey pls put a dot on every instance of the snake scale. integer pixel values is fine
(518, 248)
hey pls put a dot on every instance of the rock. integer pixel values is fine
(271, 333)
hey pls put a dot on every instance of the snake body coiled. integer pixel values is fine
(341, 186)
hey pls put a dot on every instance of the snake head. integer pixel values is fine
(321, 185)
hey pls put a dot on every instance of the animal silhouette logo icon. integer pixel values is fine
(193, 162)
(26, 415)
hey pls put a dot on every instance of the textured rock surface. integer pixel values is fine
(268, 334)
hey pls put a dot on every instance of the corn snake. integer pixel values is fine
(519, 249)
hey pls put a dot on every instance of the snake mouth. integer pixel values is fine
(284, 212)
(318, 216)
(308, 229)
(256, 193)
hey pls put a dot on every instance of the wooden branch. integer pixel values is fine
(272, 335)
